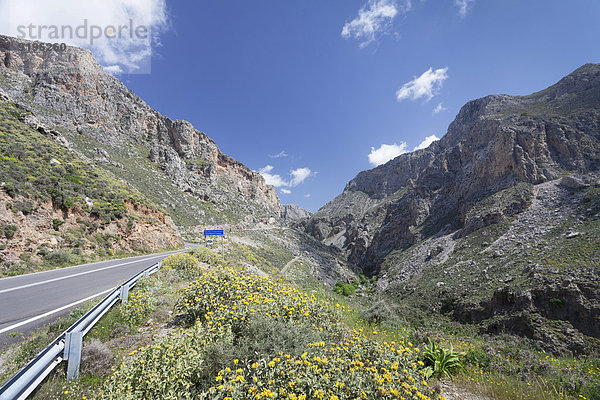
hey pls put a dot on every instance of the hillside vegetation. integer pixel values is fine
(203, 328)
(58, 209)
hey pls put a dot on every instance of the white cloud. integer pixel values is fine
(426, 142)
(285, 191)
(439, 108)
(427, 85)
(386, 152)
(297, 176)
(307, 195)
(113, 69)
(271, 179)
(282, 153)
(104, 27)
(374, 17)
(463, 6)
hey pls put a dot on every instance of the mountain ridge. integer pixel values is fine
(494, 224)
(71, 93)
(483, 152)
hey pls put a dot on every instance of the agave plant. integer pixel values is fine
(441, 362)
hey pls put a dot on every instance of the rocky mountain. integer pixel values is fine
(89, 169)
(291, 213)
(497, 222)
(58, 209)
(173, 164)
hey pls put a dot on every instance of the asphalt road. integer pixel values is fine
(32, 300)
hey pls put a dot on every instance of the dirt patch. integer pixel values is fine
(452, 392)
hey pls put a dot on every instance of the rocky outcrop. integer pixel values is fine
(527, 313)
(291, 213)
(69, 91)
(493, 144)
(44, 230)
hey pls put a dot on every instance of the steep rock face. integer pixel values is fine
(70, 91)
(291, 213)
(57, 208)
(36, 233)
(494, 143)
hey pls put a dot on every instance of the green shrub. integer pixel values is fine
(9, 231)
(556, 303)
(57, 257)
(207, 256)
(26, 207)
(440, 362)
(10, 189)
(356, 368)
(140, 303)
(185, 264)
(478, 357)
(170, 369)
(345, 289)
(56, 223)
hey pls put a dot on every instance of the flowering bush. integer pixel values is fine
(208, 256)
(169, 369)
(231, 296)
(356, 368)
(139, 304)
(215, 358)
(184, 263)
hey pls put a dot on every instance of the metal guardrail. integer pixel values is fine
(67, 346)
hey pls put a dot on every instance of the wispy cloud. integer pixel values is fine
(439, 108)
(297, 176)
(285, 191)
(282, 153)
(116, 48)
(307, 195)
(463, 6)
(426, 142)
(374, 17)
(387, 152)
(427, 85)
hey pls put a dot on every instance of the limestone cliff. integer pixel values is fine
(497, 223)
(494, 143)
(173, 163)
(292, 213)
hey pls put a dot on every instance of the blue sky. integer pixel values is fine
(324, 82)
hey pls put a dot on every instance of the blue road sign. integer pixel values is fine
(213, 232)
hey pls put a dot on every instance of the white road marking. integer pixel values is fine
(8, 328)
(74, 275)
(85, 265)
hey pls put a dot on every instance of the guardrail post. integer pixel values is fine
(72, 353)
(124, 293)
